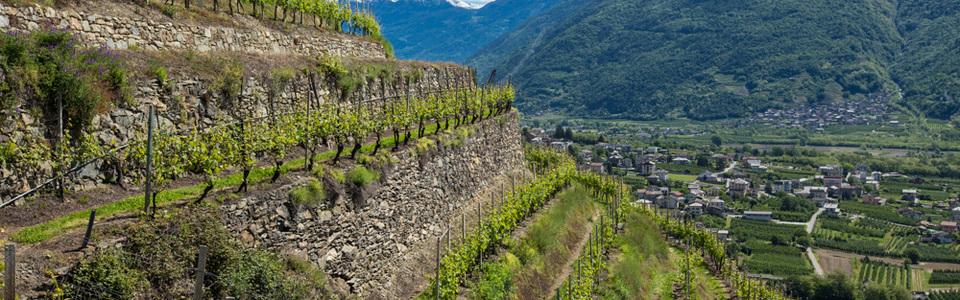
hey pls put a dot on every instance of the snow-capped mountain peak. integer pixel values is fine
(462, 4)
(466, 4)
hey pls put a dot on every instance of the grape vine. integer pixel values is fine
(236, 146)
(325, 14)
(499, 224)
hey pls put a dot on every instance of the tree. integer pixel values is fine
(777, 240)
(912, 254)
(835, 286)
(876, 291)
(804, 241)
(702, 161)
(799, 287)
(558, 133)
(717, 140)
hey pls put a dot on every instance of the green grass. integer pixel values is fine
(309, 195)
(360, 176)
(683, 177)
(644, 269)
(47, 230)
(546, 246)
(53, 228)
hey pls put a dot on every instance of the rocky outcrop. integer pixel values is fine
(127, 33)
(415, 201)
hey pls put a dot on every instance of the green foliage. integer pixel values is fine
(156, 257)
(114, 270)
(332, 15)
(497, 280)
(945, 276)
(309, 195)
(643, 251)
(687, 58)
(49, 67)
(844, 225)
(499, 225)
(744, 230)
(228, 83)
(879, 212)
(781, 265)
(865, 247)
(945, 295)
(360, 176)
(338, 176)
(932, 253)
(365, 159)
(161, 75)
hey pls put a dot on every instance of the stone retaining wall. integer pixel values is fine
(186, 104)
(366, 247)
(124, 33)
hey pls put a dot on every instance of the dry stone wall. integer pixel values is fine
(416, 199)
(184, 104)
(124, 33)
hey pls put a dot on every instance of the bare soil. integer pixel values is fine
(832, 264)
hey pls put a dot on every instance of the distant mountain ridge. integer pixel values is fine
(654, 59)
(438, 30)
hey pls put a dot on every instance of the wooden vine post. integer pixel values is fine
(149, 169)
(10, 283)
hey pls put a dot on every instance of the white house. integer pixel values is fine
(758, 215)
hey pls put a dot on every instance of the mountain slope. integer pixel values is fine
(929, 69)
(435, 30)
(527, 35)
(650, 59)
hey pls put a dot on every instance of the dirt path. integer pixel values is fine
(568, 266)
(917, 277)
(809, 227)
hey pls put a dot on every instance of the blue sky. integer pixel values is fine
(478, 1)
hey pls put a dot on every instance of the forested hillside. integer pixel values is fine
(524, 35)
(646, 59)
(929, 70)
(434, 30)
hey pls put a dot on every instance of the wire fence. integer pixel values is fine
(79, 166)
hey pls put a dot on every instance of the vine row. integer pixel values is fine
(500, 222)
(336, 15)
(240, 145)
(700, 240)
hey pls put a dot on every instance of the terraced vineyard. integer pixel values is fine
(885, 274)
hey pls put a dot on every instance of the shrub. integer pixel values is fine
(423, 145)
(309, 195)
(161, 74)
(338, 176)
(52, 67)
(155, 260)
(318, 171)
(365, 159)
(360, 176)
(497, 281)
